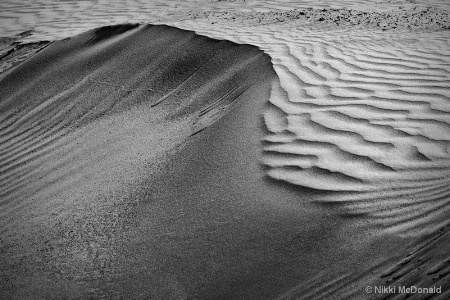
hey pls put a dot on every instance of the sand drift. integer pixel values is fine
(152, 162)
(87, 123)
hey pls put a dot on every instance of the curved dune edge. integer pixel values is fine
(394, 213)
(131, 169)
(362, 113)
(90, 125)
(77, 86)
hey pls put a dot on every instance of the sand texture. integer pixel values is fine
(224, 149)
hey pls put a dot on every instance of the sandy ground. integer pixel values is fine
(262, 150)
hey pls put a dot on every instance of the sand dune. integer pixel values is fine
(84, 122)
(360, 111)
(297, 150)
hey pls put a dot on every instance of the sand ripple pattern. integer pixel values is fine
(51, 19)
(94, 98)
(358, 110)
(358, 113)
(422, 265)
(347, 119)
(365, 114)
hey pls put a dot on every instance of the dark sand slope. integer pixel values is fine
(107, 190)
(86, 125)
(131, 168)
(117, 183)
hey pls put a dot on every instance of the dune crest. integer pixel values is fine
(88, 125)
(357, 131)
(364, 113)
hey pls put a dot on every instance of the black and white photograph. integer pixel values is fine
(224, 149)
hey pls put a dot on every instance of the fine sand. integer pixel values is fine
(230, 150)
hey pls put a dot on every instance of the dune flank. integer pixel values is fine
(358, 109)
(131, 169)
(84, 122)
(148, 161)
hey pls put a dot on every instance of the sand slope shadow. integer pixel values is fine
(85, 122)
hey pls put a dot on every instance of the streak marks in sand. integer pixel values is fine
(365, 113)
(82, 124)
(359, 111)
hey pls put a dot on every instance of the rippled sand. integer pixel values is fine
(249, 150)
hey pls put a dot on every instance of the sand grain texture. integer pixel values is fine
(263, 150)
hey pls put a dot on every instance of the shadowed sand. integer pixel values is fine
(130, 168)
(359, 111)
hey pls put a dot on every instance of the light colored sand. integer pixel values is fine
(59, 19)
(358, 109)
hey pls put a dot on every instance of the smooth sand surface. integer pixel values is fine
(249, 150)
